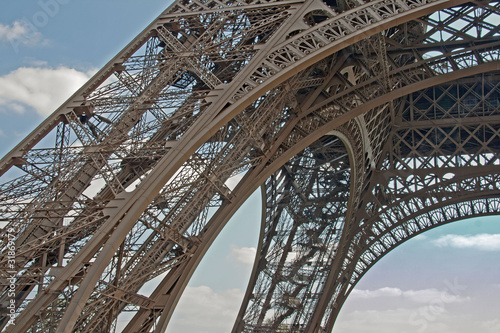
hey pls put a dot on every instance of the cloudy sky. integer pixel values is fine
(444, 281)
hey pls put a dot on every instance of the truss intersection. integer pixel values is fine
(366, 123)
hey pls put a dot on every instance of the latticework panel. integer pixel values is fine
(306, 206)
(439, 165)
(128, 180)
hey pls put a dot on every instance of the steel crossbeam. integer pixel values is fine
(365, 122)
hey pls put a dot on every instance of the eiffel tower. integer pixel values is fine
(364, 123)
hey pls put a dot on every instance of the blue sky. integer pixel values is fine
(446, 280)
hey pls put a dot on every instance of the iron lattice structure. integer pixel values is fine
(365, 123)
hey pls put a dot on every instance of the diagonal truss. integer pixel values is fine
(366, 122)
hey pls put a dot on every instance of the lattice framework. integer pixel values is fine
(396, 100)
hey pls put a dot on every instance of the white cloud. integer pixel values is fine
(393, 310)
(18, 33)
(424, 296)
(203, 310)
(36, 63)
(484, 242)
(244, 255)
(401, 320)
(433, 295)
(420, 237)
(491, 326)
(382, 292)
(43, 89)
(200, 310)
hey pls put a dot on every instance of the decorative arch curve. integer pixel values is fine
(250, 183)
(250, 112)
(305, 142)
(381, 235)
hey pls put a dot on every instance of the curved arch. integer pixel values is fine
(458, 199)
(127, 208)
(251, 181)
(453, 213)
(355, 31)
(264, 72)
(290, 276)
(249, 190)
(251, 185)
(206, 126)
